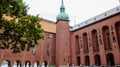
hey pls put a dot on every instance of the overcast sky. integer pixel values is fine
(78, 10)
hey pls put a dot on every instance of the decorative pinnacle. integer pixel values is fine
(62, 2)
(62, 8)
(62, 15)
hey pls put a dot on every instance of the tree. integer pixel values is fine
(23, 31)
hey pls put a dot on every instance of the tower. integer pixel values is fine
(62, 38)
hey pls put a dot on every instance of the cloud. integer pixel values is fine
(81, 9)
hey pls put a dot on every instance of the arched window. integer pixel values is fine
(34, 50)
(48, 50)
(87, 61)
(95, 40)
(106, 38)
(27, 64)
(36, 64)
(97, 60)
(85, 43)
(78, 61)
(110, 59)
(5, 63)
(117, 27)
(77, 45)
(17, 64)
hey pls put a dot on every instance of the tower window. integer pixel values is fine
(48, 50)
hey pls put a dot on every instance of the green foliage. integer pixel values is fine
(22, 33)
(13, 7)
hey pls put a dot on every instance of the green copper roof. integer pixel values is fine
(62, 15)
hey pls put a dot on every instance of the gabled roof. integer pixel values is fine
(48, 26)
(97, 18)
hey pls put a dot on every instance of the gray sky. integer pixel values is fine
(78, 10)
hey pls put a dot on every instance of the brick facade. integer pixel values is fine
(103, 52)
(97, 44)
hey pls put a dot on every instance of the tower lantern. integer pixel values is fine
(62, 15)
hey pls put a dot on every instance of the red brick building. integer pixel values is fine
(95, 41)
